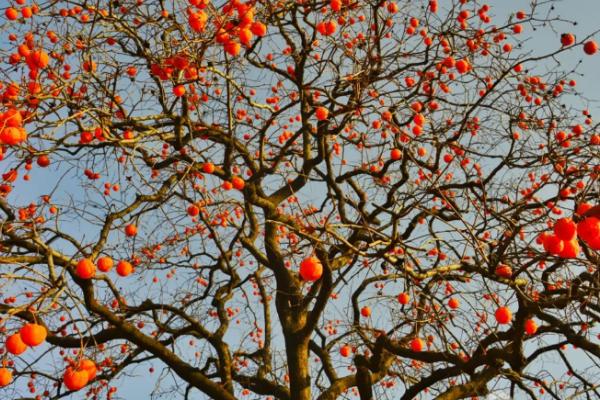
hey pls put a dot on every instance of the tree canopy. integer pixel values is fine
(296, 200)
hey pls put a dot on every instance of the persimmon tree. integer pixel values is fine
(296, 200)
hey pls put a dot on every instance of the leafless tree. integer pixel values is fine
(414, 151)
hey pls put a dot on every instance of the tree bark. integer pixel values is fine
(297, 356)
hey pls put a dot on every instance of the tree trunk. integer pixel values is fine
(297, 356)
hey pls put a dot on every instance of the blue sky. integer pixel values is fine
(587, 15)
(585, 12)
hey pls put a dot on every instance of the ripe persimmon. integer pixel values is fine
(565, 229)
(245, 36)
(193, 210)
(12, 136)
(208, 168)
(227, 185)
(179, 90)
(131, 230)
(124, 268)
(311, 269)
(11, 14)
(85, 268)
(6, 377)
(588, 230)
(321, 113)
(105, 264)
(345, 350)
(43, 161)
(238, 183)
(453, 303)
(503, 315)
(530, 327)
(567, 39)
(258, 29)
(336, 5)
(553, 244)
(590, 47)
(570, 249)
(197, 20)
(15, 345)
(33, 334)
(463, 66)
(417, 344)
(232, 47)
(38, 59)
(403, 298)
(89, 367)
(75, 379)
(503, 271)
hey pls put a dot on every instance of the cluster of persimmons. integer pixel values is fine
(237, 27)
